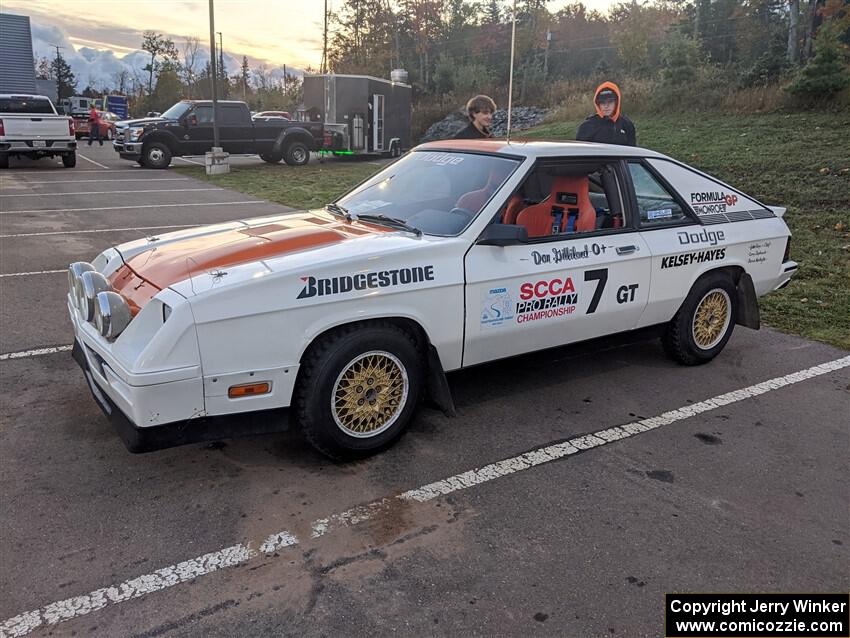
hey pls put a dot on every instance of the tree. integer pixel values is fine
(491, 12)
(793, 34)
(66, 81)
(189, 62)
(159, 47)
(245, 76)
(121, 80)
(44, 69)
(827, 73)
(168, 90)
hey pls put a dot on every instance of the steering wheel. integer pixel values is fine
(462, 211)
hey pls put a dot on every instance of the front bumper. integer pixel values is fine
(159, 437)
(128, 150)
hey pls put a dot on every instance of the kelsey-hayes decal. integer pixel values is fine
(314, 287)
(712, 237)
(568, 253)
(674, 261)
(713, 202)
(545, 299)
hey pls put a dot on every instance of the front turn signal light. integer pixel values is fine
(249, 390)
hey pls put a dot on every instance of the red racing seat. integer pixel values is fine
(538, 218)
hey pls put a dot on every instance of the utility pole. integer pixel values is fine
(284, 80)
(58, 73)
(216, 161)
(546, 54)
(324, 65)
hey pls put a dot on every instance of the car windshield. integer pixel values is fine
(27, 105)
(177, 111)
(439, 193)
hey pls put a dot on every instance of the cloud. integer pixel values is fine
(98, 67)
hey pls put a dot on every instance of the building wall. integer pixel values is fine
(17, 71)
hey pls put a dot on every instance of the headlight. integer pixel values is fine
(111, 314)
(134, 133)
(75, 271)
(91, 283)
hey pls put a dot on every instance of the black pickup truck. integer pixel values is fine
(186, 129)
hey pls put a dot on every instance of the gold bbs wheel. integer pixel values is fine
(369, 394)
(712, 318)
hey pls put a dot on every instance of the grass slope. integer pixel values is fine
(800, 161)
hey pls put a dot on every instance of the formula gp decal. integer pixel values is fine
(545, 299)
(497, 307)
(314, 287)
(568, 253)
(705, 236)
(713, 202)
(674, 261)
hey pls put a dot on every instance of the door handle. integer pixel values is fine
(626, 250)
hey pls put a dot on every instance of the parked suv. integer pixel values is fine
(187, 129)
(30, 127)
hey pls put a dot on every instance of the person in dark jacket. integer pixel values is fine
(480, 110)
(608, 125)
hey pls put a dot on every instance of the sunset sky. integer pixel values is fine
(272, 32)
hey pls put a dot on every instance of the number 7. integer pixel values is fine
(600, 276)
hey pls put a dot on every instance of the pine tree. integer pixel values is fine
(827, 73)
(66, 81)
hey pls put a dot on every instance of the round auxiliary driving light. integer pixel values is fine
(75, 271)
(111, 314)
(91, 283)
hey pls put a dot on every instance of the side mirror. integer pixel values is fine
(503, 235)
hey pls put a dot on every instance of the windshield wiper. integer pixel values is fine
(390, 221)
(341, 211)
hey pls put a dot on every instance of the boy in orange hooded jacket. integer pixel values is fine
(607, 125)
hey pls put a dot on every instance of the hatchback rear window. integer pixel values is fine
(26, 105)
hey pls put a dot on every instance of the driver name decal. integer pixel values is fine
(315, 287)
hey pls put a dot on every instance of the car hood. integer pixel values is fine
(143, 120)
(196, 260)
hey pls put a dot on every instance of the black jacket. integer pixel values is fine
(606, 131)
(470, 133)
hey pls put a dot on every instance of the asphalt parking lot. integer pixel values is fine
(714, 481)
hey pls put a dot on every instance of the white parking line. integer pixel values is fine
(111, 181)
(46, 171)
(158, 190)
(86, 210)
(98, 230)
(70, 608)
(34, 353)
(35, 272)
(92, 161)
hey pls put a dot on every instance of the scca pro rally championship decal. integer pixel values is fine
(546, 298)
(674, 261)
(712, 202)
(314, 287)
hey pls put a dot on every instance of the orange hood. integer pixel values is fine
(608, 85)
(145, 274)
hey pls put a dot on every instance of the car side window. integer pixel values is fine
(656, 205)
(231, 115)
(204, 114)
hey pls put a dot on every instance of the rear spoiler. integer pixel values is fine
(779, 211)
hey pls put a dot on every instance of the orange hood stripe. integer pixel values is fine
(608, 85)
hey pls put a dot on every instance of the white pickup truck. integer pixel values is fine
(30, 127)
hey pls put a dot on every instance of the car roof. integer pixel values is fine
(536, 148)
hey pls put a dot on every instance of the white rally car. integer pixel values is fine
(460, 253)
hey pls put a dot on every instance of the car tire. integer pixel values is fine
(271, 159)
(705, 321)
(69, 160)
(297, 154)
(4, 160)
(109, 134)
(156, 155)
(342, 414)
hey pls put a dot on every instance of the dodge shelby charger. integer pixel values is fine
(462, 252)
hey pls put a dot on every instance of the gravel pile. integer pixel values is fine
(523, 117)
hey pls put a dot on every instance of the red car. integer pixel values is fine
(107, 125)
